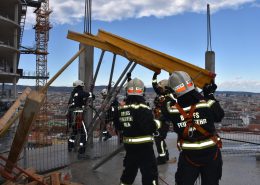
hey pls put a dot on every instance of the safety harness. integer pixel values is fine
(212, 139)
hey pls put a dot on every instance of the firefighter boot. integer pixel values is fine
(107, 136)
(161, 160)
(70, 145)
(82, 148)
(167, 155)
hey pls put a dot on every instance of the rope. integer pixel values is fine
(163, 181)
(240, 141)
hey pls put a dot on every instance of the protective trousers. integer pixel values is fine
(187, 173)
(77, 129)
(160, 141)
(143, 158)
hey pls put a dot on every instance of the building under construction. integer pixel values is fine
(38, 153)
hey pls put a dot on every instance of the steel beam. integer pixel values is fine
(158, 59)
(92, 40)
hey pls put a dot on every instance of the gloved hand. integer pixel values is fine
(155, 75)
(128, 75)
(93, 96)
(169, 98)
(209, 89)
(169, 90)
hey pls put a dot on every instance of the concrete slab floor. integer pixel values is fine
(237, 170)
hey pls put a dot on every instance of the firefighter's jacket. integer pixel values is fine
(78, 98)
(196, 146)
(136, 122)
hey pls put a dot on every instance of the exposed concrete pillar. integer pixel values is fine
(86, 64)
(210, 61)
(257, 156)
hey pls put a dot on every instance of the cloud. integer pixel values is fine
(72, 11)
(240, 85)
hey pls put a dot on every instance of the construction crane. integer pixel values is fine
(41, 75)
(42, 28)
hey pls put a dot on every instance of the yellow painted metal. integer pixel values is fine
(94, 41)
(158, 59)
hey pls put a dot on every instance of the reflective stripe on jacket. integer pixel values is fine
(138, 140)
(186, 145)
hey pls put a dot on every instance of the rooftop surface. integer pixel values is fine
(237, 170)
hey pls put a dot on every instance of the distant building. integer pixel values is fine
(11, 18)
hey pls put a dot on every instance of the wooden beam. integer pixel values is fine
(94, 41)
(158, 59)
(31, 108)
(4, 120)
(55, 178)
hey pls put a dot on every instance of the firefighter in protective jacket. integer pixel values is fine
(161, 92)
(193, 118)
(76, 105)
(135, 121)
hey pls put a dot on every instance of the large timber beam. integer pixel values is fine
(158, 59)
(5, 119)
(31, 108)
(94, 41)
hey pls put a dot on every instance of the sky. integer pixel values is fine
(175, 27)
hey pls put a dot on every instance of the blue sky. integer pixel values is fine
(177, 28)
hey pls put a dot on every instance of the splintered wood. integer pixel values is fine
(31, 178)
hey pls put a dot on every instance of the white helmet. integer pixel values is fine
(104, 92)
(180, 82)
(135, 87)
(78, 83)
(162, 84)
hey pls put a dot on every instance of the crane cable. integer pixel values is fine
(208, 30)
(87, 16)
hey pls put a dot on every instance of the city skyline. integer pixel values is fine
(176, 29)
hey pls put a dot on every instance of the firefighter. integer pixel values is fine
(159, 88)
(76, 105)
(108, 116)
(136, 123)
(193, 118)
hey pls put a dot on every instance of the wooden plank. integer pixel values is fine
(94, 41)
(158, 59)
(29, 113)
(32, 183)
(23, 175)
(4, 124)
(55, 178)
(8, 183)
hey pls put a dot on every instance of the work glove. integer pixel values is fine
(169, 90)
(155, 75)
(128, 76)
(209, 90)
